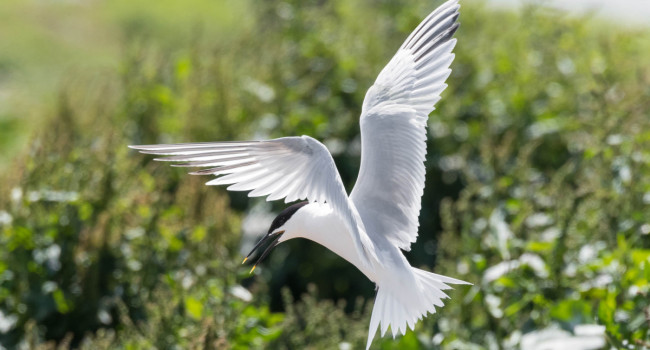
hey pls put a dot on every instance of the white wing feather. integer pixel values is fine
(292, 168)
(393, 128)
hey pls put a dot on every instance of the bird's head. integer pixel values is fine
(276, 231)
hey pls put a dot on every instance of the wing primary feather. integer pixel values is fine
(441, 22)
(219, 168)
(242, 180)
(194, 164)
(440, 39)
(190, 151)
(224, 168)
(216, 161)
(225, 161)
(192, 145)
(426, 21)
(197, 157)
(251, 178)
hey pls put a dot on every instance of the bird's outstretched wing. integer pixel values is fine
(292, 168)
(393, 128)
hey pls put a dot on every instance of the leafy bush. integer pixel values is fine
(537, 184)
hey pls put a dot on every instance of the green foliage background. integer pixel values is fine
(538, 174)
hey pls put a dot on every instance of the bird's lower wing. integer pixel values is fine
(393, 128)
(292, 168)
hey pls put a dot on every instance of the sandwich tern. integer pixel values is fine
(370, 227)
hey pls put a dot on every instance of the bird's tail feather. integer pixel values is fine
(401, 306)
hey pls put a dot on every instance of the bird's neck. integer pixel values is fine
(318, 223)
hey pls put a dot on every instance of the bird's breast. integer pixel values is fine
(318, 223)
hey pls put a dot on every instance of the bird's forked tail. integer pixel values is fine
(399, 305)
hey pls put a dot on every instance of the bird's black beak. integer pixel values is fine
(271, 237)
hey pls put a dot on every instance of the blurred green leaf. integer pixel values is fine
(194, 308)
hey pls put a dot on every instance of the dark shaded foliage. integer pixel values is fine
(537, 186)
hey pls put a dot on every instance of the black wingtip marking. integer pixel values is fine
(444, 12)
(434, 32)
(440, 39)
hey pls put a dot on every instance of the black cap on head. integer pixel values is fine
(285, 215)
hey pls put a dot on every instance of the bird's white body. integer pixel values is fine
(370, 227)
(400, 286)
(319, 223)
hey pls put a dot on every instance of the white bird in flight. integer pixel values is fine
(370, 227)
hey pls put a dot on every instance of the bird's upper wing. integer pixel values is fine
(290, 167)
(393, 128)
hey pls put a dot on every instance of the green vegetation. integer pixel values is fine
(537, 191)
